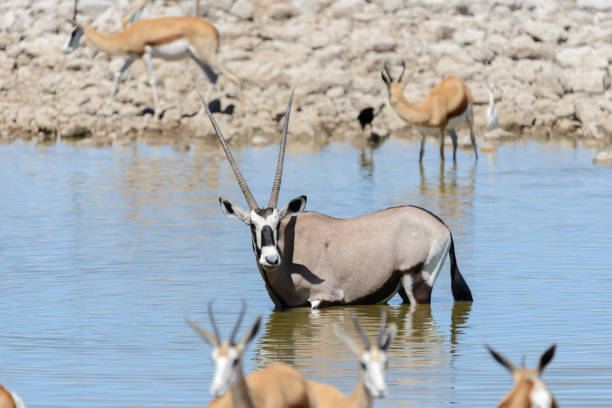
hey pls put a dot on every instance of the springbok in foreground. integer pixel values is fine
(168, 38)
(136, 10)
(9, 399)
(445, 107)
(310, 258)
(276, 386)
(373, 362)
(529, 391)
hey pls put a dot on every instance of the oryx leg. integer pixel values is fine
(417, 284)
(453, 136)
(470, 121)
(147, 58)
(118, 76)
(422, 151)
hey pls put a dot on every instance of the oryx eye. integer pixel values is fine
(363, 365)
(235, 363)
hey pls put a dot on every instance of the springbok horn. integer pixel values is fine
(403, 70)
(363, 336)
(386, 68)
(239, 178)
(238, 322)
(212, 322)
(281, 157)
(383, 325)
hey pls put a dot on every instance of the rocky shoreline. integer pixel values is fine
(548, 62)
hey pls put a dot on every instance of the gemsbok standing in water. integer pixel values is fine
(373, 362)
(446, 106)
(275, 386)
(310, 258)
(529, 391)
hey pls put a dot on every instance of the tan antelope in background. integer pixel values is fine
(373, 363)
(168, 38)
(445, 107)
(276, 386)
(310, 258)
(139, 5)
(529, 391)
(9, 399)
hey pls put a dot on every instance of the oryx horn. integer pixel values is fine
(239, 178)
(383, 325)
(74, 14)
(238, 322)
(363, 336)
(281, 157)
(212, 322)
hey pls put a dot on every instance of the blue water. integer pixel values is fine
(104, 252)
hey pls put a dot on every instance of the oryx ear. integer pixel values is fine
(293, 207)
(500, 359)
(353, 345)
(388, 337)
(233, 211)
(546, 357)
(250, 334)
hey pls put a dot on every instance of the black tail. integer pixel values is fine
(461, 291)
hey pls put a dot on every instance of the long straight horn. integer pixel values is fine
(212, 322)
(363, 336)
(228, 153)
(238, 322)
(281, 157)
(74, 14)
(381, 331)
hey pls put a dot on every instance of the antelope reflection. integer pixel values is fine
(305, 340)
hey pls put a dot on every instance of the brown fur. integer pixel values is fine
(6, 401)
(276, 386)
(449, 98)
(133, 40)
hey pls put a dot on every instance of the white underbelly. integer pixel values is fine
(174, 50)
(451, 124)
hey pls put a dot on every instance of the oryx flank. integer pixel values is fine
(529, 390)
(373, 362)
(310, 258)
(276, 386)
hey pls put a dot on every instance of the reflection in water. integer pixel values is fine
(306, 340)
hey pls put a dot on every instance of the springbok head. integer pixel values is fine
(75, 36)
(529, 391)
(226, 355)
(264, 222)
(394, 87)
(372, 357)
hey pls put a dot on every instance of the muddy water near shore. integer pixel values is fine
(104, 252)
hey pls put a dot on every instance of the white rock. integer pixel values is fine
(594, 81)
(603, 158)
(346, 8)
(244, 9)
(594, 4)
(582, 57)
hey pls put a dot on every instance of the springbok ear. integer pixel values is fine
(233, 211)
(353, 345)
(209, 338)
(293, 207)
(546, 357)
(250, 334)
(388, 337)
(500, 359)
